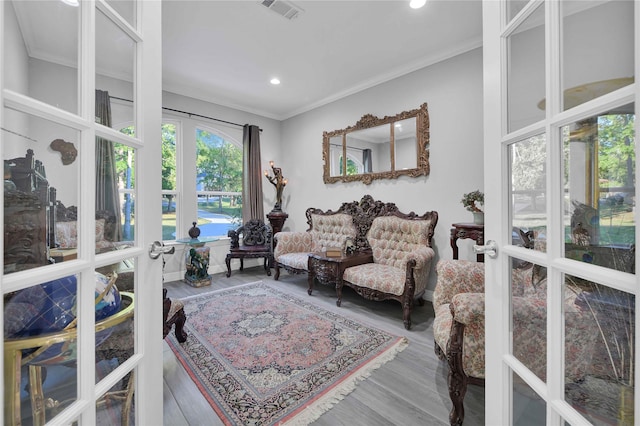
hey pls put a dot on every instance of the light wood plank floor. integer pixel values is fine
(409, 390)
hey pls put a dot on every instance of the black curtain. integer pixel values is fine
(366, 160)
(107, 196)
(252, 206)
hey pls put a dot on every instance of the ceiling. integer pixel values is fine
(226, 52)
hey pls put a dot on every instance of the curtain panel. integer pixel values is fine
(252, 206)
(107, 196)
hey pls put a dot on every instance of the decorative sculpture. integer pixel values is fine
(66, 149)
(279, 182)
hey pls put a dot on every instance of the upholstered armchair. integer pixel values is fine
(326, 230)
(402, 258)
(459, 325)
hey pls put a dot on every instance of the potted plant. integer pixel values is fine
(473, 201)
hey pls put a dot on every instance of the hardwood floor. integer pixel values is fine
(409, 390)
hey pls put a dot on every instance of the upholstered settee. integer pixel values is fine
(402, 261)
(327, 229)
(459, 326)
(66, 234)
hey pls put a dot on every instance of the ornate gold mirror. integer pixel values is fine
(378, 148)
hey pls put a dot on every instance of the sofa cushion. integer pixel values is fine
(376, 276)
(331, 230)
(295, 260)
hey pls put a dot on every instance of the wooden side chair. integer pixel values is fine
(256, 243)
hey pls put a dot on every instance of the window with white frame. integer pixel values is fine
(218, 182)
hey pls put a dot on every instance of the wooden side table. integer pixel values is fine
(329, 270)
(467, 230)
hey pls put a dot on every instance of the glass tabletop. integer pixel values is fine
(195, 241)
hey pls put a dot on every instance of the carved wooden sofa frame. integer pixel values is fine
(362, 215)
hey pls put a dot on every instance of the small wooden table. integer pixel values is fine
(467, 230)
(329, 270)
(250, 252)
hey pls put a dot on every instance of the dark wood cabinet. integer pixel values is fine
(28, 216)
(467, 230)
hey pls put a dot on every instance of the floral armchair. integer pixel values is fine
(459, 326)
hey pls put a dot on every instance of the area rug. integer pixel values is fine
(263, 357)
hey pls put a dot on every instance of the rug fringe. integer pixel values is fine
(324, 403)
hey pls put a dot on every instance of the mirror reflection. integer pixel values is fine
(405, 144)
(378, 148)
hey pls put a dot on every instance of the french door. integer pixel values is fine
(81, 295)
(560, 180)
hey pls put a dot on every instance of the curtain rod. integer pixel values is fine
(190, 114)
(349, 147)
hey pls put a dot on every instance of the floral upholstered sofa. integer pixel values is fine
(402, 261)
(400, 245)
(459, 325)
(327, 229)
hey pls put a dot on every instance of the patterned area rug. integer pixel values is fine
(262, 357)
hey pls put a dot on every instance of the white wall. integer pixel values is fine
(453, 92)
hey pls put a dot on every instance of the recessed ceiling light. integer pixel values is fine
(275, 81)
(74, 3)
(417, 4)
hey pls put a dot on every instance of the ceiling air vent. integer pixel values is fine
(283, 8)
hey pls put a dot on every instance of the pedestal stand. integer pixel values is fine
(276, 219)
(196, 260)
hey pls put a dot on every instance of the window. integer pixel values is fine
(599, 173)
(218, 182)
(125, 168)
(169, 187)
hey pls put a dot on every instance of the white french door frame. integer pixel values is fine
(147, 359)
(499, 361)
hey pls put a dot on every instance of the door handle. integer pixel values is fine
(158, 248)
(490, 249)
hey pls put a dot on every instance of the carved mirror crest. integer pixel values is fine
(378, 148)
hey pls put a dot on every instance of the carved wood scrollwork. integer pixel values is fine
(335, 149)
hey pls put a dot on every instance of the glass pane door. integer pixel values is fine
(560, 299)
(73, 350)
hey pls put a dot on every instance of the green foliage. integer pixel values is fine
(527, 164)
(168, 156)
(125, 160)
(473, 200)
(218, 164)
(616, 150)
(352, 167)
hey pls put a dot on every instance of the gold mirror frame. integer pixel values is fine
(369, 121)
